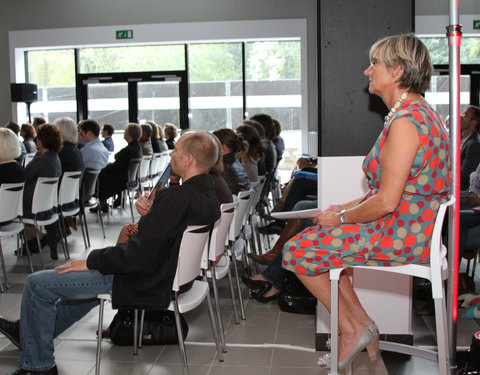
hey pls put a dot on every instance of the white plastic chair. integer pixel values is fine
(144, 172)
(11, 197)
(155, 165)
(45, 198)
(221, 268)
(68, 193)
(436, 271)
(192, 248)
(236, 243)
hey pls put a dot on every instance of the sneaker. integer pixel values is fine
(11, 329)
(51, 371)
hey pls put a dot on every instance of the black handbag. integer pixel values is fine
(158, 328)
(296, 298)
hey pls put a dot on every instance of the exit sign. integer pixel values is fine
(476, 24)
(124, 34)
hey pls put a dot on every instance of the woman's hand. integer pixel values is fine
(335, 208)
(327, 219)
(76, 265)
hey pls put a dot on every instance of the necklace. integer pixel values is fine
(395, 107)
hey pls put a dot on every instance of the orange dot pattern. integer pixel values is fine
(404, 235)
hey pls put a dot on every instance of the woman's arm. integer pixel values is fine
(396, 159)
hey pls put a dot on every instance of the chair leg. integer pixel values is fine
(239, 289)
(100, 219)
(99, 337)
(232, 293)
(29, 256)
(217, 308)
(334, 327)
(39, 246)
(181, 343)
(140, 335)
(442, 336)
(130, 197)
(61, 227)
(83, 231)
(3, 269)
(135, 332)
(213, 322)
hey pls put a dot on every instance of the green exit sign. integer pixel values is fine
(476, 24)
(124, 34)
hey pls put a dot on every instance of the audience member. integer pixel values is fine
(113, 178)
(95, 155)
(27, 132)
(158, 144)
(233, 171)
(170, 131)
(70, 157)
(45, 164)
(222, 190)
(270, 152)
(15, 128)
(262, 169)
(10, 171)
(470, 144)
(107, 132)
(138, 273)
(278, 141)
(253, 150)
(145, 139)
(37, 121)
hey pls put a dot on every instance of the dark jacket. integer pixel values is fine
(170, 143)
(113, 178)
(11, 173)
(469, 159)
(144, 267)
(234, 174)
(46, 165)
(30, 145)
(270, 157)
(71, 158)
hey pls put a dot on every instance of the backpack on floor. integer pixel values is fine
(296, 298)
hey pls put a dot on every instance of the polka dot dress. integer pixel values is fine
(404, 235)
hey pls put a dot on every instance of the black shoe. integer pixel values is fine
(256, 284)
(273, 228)
(11, 329)
(51, 371)
(260, 298)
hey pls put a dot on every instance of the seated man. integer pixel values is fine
(139, 272)
(95, 155)
(107, 132)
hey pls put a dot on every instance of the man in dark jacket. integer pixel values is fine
(139, 272)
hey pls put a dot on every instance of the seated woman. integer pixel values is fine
(45, 164)
(233, 171)
(27, 131)
(70, 156)
(158, 144)
(253, 151)
(10, 171)
(113, 178)
(171, 133)
(408, 176)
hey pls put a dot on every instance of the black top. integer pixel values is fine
(170, 143)
(30, 145)
(270, 157)
(469, 159)
(11, 173)
(234, 174)
(71, 158)
(145, 266)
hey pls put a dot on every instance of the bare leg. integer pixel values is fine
(349, 327)
(351, 299)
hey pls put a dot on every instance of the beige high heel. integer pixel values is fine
(374, 347)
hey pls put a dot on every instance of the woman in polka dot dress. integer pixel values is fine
(407, 172)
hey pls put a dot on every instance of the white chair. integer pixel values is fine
(11, 196)
(69, 194)
(45, 198)
(144, 172)
(436, 271)
(89, 198)
(221, 268)
(132, 181)
(155, 165)
(236, 243)
(192, 248)
(28, 158)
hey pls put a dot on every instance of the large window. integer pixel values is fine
(54, 73)
(438, 48)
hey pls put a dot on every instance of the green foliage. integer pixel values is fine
(51, 68)
(215, 62)
(438, 48)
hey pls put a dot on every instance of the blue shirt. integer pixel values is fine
(95, 155)
(108, 143)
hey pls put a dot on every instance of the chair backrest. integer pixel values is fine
(240, 212)
(132, 172)
(192, 248)
(164, 160)
(69, 188)
(220, 230)
(155, 164)
(143, 172)
(89, 183)
(28, 158)
(45, 194)
(11, 201)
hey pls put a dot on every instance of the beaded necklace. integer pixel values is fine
(395, 107)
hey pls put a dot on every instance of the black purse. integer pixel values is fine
(158, 328)
(296, 298)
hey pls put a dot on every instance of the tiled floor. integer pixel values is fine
(268, 342)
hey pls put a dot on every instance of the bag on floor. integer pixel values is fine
(158, 328)
(296, 298)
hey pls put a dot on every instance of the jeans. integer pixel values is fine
(304, 184)
(50, 304)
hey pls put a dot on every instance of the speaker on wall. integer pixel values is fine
(24, 92)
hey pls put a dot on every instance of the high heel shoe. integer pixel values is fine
(374, 347)
(364, 341)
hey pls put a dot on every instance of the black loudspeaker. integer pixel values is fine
(24, 92)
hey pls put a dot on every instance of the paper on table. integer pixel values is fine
(304, 214)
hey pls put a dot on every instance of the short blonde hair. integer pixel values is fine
(134, 131)
(202, 147)
(411, 54)
(9, 145)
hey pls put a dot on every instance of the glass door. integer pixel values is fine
(108, 103)
(159, 102)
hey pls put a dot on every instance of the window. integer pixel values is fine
(438, 48)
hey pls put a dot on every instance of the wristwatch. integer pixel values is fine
(343, 220)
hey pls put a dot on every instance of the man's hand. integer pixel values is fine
(143, 204)
(76, 265)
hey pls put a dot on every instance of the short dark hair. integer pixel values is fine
(108, 128)
(39, 120)
(29, 130)
(50, 136)
(230, 139)
(13, 126)
(267, 124)
(90, 125)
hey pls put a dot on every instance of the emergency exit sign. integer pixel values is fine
(476, 24)
(124, 34)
